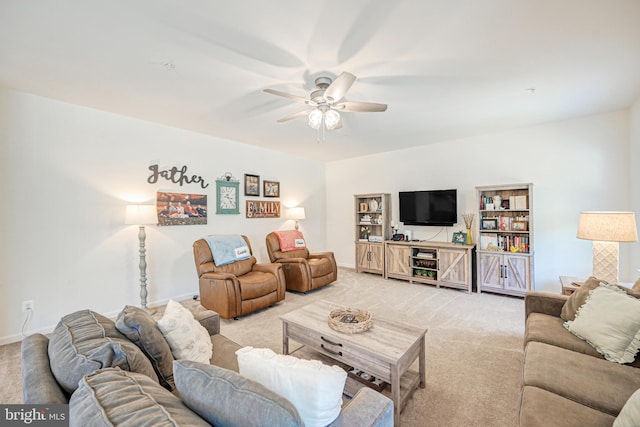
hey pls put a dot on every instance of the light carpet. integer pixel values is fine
(473, 354)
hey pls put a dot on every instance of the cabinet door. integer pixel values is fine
(398, 263)
(454, 266)
(376, 259)
(362, 256)
(490, 271)
(517, 270)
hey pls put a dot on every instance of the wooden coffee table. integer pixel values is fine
(386, 351)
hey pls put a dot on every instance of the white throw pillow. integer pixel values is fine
(630, 412)
(609, 320)
(314, 389)
(187, 338)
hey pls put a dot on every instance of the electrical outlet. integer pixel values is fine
(27, 306)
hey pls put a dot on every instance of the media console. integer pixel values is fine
(444, 264)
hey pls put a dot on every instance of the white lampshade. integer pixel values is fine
(606, 229)
(607, 226)
(296, 213)
(140, 215)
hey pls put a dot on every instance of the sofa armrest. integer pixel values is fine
(543, 302)
(209, 319)
(367, 408)
(39, 386)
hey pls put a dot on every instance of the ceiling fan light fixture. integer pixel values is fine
(331, 119)
(315, 118)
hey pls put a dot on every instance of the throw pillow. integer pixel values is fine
(112, 397)
(290, 240)
(314, 389)
(577, 299)
(84, 342)
(138, 325)
(187, 338)
(610, 321)
(630, 412)
(225, 398)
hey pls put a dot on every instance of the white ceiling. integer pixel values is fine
(446, 68)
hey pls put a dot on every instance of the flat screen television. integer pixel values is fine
(434, 207)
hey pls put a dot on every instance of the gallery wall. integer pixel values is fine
(574, 165)
(67, 173)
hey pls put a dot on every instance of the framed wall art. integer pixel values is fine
(181, 208)
(271, 189)
(227, 197)
(489, 223)
(251, 185)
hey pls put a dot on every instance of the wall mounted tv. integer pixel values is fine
(434, 208)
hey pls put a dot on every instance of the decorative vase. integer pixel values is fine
(469, 240)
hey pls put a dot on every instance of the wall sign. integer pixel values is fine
(175, 175)
(263, 209)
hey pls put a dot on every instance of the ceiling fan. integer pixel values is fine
(327, 103)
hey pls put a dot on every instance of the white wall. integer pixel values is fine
(634, 156)
(67, 173)
(580, 164)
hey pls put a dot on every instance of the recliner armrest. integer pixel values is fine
(268, 268)
(367, 408)
(321, 255)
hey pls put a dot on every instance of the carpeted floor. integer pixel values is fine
(474, 346)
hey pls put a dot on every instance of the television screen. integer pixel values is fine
(435, 207)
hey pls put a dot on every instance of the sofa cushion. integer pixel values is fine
(138, 325)
(314, 389)
(630, 414)
(187, 338)
(112, 397)
(610, 321)
(578, 298)
(84, 342)
(225, 398)
(550, 330)
(540, 407)
(587, 380)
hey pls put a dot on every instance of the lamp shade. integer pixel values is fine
(296, 213)
(140, 215)
(607, 226)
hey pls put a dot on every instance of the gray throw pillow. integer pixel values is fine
(84, 342)
(137, 325)
(113, 397)
(225, 398)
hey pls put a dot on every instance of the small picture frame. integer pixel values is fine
(251, 185)
(489, 224)
(364, 207)
(271, 188)
(519, 225)
(459, 237)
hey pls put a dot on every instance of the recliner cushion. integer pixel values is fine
(320, 267)
(84, 342)
(257, 284)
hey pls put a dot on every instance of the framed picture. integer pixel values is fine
(519, 225)
(251, 185)
(489, 224)
(271, 189)
(181, 208)
(459, 237)
(227, 197)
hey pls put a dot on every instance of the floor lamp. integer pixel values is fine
(606, 229)
(296, 214)
(142, 215)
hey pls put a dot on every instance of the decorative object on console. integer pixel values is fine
(271, 188)
(227, 195)
(251, 185)
(606, 229)
(296, 214)
(468, 223)
(459, 237)
(142, 215)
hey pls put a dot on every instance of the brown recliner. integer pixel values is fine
(303, 271)
(239, 288)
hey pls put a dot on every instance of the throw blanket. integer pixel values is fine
(227, 248)
(290, 240)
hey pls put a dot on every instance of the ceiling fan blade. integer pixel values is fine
(360, 107)
(294, 116)
(287, 95)
(336, 90)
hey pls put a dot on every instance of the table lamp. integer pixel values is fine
(142, 215)
(606, 229)
(296, 214)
